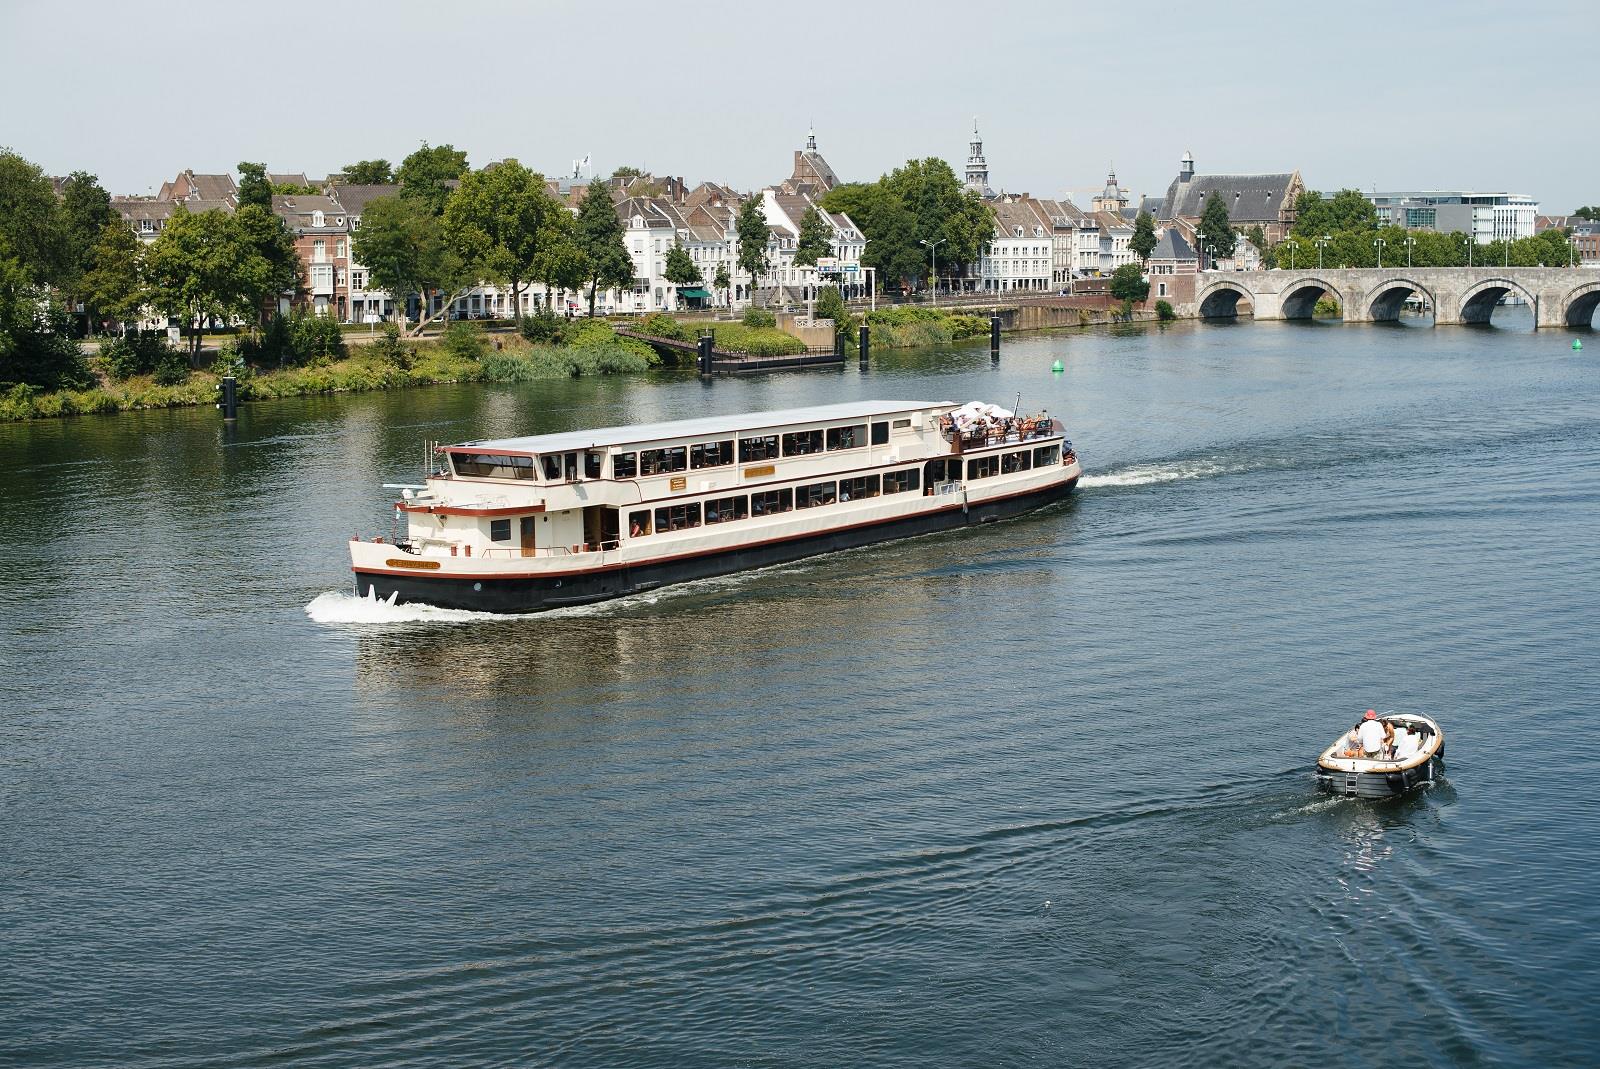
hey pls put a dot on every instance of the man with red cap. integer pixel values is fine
(1371, 735)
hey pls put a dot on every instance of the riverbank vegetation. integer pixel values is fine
(145, 373)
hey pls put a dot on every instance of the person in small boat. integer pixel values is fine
(1370, 734)
(1407, 744)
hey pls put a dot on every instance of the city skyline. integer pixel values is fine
(1061, 93)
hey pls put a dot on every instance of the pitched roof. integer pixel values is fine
(1172, 246)
(1249, 198)
(355, 197)
(297, 179)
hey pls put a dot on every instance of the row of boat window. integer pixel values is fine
(670, 459)
(768, 502)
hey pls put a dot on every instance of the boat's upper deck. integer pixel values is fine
(704, 426)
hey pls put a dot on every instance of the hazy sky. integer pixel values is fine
(1467, 94)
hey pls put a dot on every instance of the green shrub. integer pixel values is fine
(759, 318)
(137, 353)
(757, 341)
(544, 327)
(1326, 306)
(830, 305)
(172, 369)
(1164, 311)
(315, 339)
(661, 325)
(273, 348)
(388, 347)
(464, 340)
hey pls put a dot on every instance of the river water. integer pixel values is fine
(1036, 794)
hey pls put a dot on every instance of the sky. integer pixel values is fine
(1428, 95)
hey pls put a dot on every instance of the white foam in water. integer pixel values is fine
(1151, 474)
(343, 607)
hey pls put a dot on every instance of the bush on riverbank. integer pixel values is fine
(593, 349)
(906, 326)
(757, 341)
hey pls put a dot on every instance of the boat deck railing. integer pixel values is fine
(1030, 429)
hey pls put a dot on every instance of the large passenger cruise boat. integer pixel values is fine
(523, 524)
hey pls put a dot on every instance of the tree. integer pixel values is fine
(369, 173)
(892, 250)
(425, 175)
(499, 220)
(1129, 285)
(1143, 242)
(830, 305)
(722, 281)
(1214, 229)
(254, 186)
(816, 239)
(403, 245)
(31, 233)
(85, 213)
(599, 237)
(681, 268)
(202, 267)
(754, 234)
(627, 172)
(942, 210)
(270, 239)
(562, 265)
(1257, 237)
(114, 283)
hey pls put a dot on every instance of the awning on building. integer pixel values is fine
(695, 292)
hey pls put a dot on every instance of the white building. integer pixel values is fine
(1485, 216)
(1021, 254)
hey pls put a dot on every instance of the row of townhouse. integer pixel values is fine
(1041, 245)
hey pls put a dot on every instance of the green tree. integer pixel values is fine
(254, 186)
(722, 282)
(369, 173)
(562, 265)
(816, 239)
(1588, 212)
(426, 174)
(681, 269)
(114, 283)
(31, 229)
(404, 248)
(830, 305)
(754, 233)
(892, 250)
(270, 239)
(1214, 229)
(942, 209)
(204, 267)
(85, 213)
(1143, 242)
(35, 346)
(1129, 285)
(599, 236)
(499, 220)
(627, 172)
(1257, 237)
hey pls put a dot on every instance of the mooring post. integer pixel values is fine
(866, 344)
(229, 387)
(706, 342)
(994, 337)
(838, 346)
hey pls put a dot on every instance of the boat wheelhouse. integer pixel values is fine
(523, 524)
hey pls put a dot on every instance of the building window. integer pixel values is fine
(500, 530)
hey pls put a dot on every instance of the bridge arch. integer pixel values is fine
(1581, 304)
(1220, 300)
(1389, 296)
(1479, 300)
(1298, 300)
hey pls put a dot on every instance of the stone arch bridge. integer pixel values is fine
(1559, 296)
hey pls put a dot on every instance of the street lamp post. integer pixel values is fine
(1293, 245)
(1379, 243)
(1321, 243)
(933, 251)
(1411, 243)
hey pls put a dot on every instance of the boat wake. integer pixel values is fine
(1151, 474)
(344, 607)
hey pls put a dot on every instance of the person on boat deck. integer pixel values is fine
(1407, 744)
(1371, 735)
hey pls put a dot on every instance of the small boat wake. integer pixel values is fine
(1153, 474)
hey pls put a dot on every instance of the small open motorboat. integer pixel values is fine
(1417, 757)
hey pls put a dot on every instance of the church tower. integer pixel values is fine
(977, 166)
